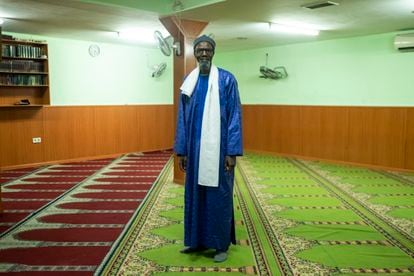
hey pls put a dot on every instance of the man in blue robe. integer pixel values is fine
(208, 139)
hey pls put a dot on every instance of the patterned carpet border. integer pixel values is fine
(259, 254)
(397, 177)
(123, 244)
(271, 238)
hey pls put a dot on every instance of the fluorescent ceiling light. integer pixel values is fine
(138, 35)
(291, 29)
(144, 35)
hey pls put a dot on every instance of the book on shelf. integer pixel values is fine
(8, 37)
(28, 80)
(21, 66)
(21, 51)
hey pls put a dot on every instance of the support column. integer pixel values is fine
(183, 31)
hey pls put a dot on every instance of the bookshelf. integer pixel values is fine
(24, 73)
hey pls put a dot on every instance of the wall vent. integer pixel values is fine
(318, 5)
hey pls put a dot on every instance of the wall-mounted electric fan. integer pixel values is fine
(276, 73)
(167, 44)
(158, 70)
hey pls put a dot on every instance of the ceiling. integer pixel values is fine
(235, 24)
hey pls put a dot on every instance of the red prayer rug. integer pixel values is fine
(63, 219)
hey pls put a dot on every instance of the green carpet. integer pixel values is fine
(295, 191)
(319, 215)
(370, 256)
(398, 200)
(407, 213)
(336, 232)
(293, 217)
(309, 202)
(325, 218)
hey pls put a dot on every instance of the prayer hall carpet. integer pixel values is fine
(71, 214)
(11, 213)
(7, 176)
(26, 190)
(293, 217)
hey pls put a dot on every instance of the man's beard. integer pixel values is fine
(204, 66)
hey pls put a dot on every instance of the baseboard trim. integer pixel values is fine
(181, 181)
(79, 159)
(369, 166)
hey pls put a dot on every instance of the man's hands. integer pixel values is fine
(182, 163)
(229, 163)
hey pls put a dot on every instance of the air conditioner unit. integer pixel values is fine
(404, 42)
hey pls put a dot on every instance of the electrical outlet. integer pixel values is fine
(37, 140)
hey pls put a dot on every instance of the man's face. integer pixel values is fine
(204, 53)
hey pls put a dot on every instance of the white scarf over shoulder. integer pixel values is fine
(208, 170)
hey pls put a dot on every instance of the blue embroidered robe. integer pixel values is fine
(208, 214)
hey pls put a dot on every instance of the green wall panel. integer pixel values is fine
(120, 75)
(358, 71)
